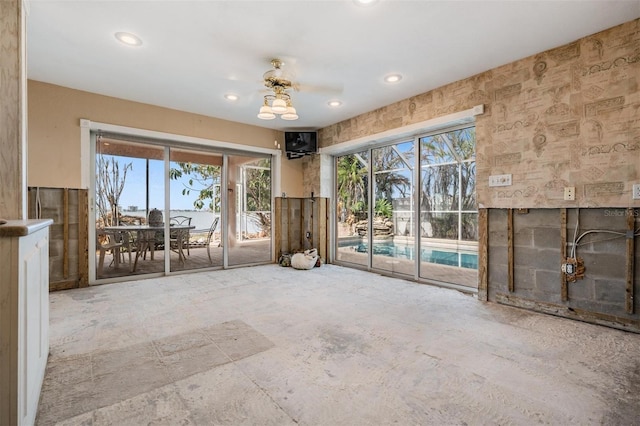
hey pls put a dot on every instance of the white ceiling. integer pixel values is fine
(194, 52)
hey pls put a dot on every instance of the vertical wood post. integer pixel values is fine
(288, 209)
(303, 238)
(83, 238)
(483, 255)
(277, 230)
(564, 290)
(630, 260)
(65, 233)
(510, 250)
(13, 116)
(322, 228)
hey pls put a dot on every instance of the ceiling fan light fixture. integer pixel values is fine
(265, 112)
(279, 106)
(290, 114)
(279, 100)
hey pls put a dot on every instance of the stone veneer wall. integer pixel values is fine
(317, 177)
(569, 116)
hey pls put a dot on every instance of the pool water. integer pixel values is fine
(405, 251)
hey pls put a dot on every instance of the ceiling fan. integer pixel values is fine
(279, 101)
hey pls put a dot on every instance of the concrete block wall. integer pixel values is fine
(51, 201)
(537, 258)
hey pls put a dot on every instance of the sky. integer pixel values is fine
(134, 190)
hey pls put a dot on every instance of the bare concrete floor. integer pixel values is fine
(329, 346)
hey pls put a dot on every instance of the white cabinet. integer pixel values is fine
(24, 318)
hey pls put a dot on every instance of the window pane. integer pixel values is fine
(393, 192)
(439, 225)
(469, 226)
(352, 208)
(468, 185)
(195, 203)
(463, 142)
(434, 150)
(440, 188)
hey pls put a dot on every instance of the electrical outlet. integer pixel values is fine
(569, 193)
(573, 269)
(500, 180)
(636, 191)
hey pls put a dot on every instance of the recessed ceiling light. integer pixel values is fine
(334, 104)
(365, 2)
(393, 78)
(128, 39)
(231, 97)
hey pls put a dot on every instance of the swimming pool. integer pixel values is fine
(406, 251)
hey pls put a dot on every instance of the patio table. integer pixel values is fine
(143, 237)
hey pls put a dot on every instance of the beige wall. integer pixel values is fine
(54, 132)
(565, 117)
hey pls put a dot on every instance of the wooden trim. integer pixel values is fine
(322, 228)
(624, 323)
(65, 233)
(63, 285)
(288, 209)
(483, 255)
(564, 290)
(277, 228)
(303, 230)
(510, 248)
(629, 296)
(83, 238)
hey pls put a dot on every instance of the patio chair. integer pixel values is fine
(182, 235)
(113, 243)
(210, 237)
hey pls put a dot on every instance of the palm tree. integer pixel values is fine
(389, 162)
(352, 183)
(448, 179)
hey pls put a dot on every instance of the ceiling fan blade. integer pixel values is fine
(336, 89)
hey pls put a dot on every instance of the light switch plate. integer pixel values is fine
(636, 191)
(500, 180)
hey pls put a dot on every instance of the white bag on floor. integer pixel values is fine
(306, 260)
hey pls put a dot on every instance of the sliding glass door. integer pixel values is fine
(129, 188)
(161, 209)
(392, 236)
(194, 219)
(409, 208)
(352, 208)
(249, 209)
(448, 210)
